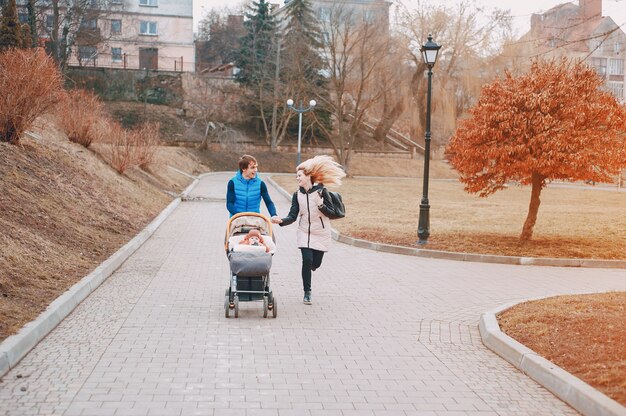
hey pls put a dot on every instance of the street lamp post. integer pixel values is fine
(429, 51)
(300, 110)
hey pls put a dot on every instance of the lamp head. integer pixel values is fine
(290, 102)
(312, 103)
(430, 50)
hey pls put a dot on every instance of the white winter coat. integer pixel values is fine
(313, 226)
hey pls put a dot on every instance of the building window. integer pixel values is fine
(148, 28)
(616, 67)
(117, 1)
(369, 16)
(617, 88)
(89, 23)
(116, 26)
(49, 21)
(116, 54)
(600, 65)
(325, 38)
(22, 17)
(87, 53)
(152, 3)
(617, 48)
(324, 14)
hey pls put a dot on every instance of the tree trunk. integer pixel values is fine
(347, 166)
(266, 128)
(387, 121)
(32, 23)
(274, 139)
(533, 208)
(419, 95)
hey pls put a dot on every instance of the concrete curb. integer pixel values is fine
(481, 258)
(572, 390)
(15, 347)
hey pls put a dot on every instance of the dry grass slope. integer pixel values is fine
(63, 211)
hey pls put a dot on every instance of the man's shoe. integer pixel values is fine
(307, 298)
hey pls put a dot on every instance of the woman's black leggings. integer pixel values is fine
(311, 260)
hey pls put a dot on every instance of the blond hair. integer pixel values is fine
(323, 169)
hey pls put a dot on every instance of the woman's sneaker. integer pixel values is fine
(307, 298)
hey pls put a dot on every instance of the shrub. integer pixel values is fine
(121, 147)
(30, 85)
(79, 115)
(146, 138)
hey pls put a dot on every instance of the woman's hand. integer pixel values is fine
(276, 220)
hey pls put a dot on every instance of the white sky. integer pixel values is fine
(520, 9)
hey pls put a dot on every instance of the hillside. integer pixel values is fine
(63, 211)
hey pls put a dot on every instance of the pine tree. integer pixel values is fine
(255, 60)
(257, 46)
(25, 37)
(303, 64)
(32, 23)
(10, 28)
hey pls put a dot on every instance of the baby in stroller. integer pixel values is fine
(253, 238)
(249, 245)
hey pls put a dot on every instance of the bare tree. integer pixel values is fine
(469, 35)
(353, 52)
(393, 79)
(70, 23)
(218, 36)
(214, 103)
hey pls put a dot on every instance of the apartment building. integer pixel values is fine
(370, 11)
(133, 34)
(581, 32)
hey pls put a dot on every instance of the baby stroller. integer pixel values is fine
(249, 264)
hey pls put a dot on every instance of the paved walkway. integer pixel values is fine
(387, 334)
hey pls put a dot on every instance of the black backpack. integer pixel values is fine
(337, 209)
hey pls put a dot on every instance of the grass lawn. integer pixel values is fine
(573, 222)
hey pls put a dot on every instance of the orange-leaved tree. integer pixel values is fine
(553, 123)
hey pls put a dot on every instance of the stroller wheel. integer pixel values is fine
(265, 307)
(271, 299)
(226, 305)
(236, 302)
(274, 309)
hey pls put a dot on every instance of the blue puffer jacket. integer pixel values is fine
(247, 193)
(244, 195)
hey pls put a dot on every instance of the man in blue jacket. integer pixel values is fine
(245, 190)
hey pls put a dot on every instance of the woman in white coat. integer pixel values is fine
(308, 207)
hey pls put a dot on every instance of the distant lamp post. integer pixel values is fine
(430, 50)
(300, 110)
